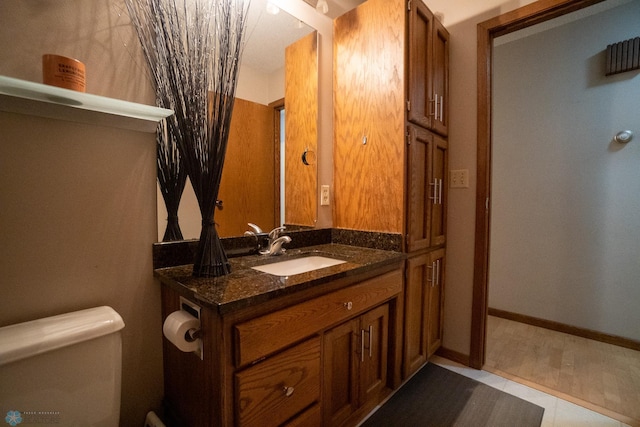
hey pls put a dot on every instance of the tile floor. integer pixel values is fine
(557, 412)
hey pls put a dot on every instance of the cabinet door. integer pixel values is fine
(440, 79)
(419, 163)
(426, 189)
(436, 300)
(416, 314)
(438, 198)
(374, 345)
(340, 366)
(369, 115)
(421, 107)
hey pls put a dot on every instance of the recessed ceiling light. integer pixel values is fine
(322, 6)
(272, 8)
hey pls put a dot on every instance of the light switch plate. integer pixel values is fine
(324, 195)
(459, 178)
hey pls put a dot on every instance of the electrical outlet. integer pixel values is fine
(324, 195)
(459, 178)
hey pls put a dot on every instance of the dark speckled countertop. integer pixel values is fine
(245, 286)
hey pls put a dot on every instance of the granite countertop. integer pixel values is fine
(245, 286)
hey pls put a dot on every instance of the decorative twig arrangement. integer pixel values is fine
(172, 178)
(193, 49)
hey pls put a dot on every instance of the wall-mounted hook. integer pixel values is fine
(623, 136)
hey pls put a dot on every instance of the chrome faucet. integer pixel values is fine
(268, 243)
(261, 237)
(274, 246)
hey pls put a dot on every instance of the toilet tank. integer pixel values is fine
(63, 369)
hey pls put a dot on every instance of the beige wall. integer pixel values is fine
(78, 201)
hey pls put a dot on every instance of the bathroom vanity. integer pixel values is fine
(322, 347)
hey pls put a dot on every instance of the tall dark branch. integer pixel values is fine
(193, 49)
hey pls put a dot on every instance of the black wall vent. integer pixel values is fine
(623, 56)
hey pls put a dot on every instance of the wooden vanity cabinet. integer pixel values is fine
(287, 361)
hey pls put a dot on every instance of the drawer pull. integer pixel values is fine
(288, 391)
(348, 305)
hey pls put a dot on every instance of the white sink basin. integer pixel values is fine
(298, 265)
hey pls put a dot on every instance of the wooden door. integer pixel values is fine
(340, 372)
(416, 313)
(426, 189)
(419, 191)
(436, 300)
(438, 198)
(440, 88)
(421, 106)
(374, 344)
(369, 117)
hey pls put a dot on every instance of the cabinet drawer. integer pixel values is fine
(312, 417)
(267, 334)
(271, 392)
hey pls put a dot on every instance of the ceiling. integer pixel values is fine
(337, 7)
(268, 35)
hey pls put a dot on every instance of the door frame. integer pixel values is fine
(526, 16)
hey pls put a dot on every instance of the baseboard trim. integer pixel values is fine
(453, 355)
(567, 329)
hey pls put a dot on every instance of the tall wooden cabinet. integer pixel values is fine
(391, 118)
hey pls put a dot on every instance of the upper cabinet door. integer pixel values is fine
(428, 72)
(421, 106)
(440, 92)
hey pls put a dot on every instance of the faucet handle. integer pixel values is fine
(254, 228)
(276, 232)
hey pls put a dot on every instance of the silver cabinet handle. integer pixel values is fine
(432, 267)
(434, 184)
(437, 272)
(370, 340)
(362, 345)
(437, 191)
(348, 305)
(441, 108)
(436, 96)
(288, 391)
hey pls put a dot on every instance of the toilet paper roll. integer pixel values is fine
(176, 327)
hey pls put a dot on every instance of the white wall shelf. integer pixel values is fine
(24, 97)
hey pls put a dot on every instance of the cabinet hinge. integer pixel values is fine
(409, 5)
(408, 105)
(408, 137)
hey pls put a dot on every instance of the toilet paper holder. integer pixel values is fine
(190, 307)
(192, 334)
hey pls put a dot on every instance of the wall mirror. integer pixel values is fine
(269, 176)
